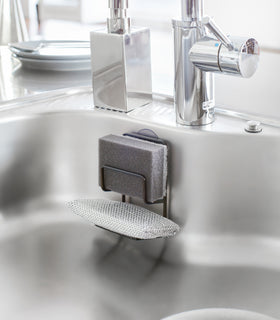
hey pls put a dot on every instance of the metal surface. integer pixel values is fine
(242, 59)
(224, 196)
(121, 69)
(121, 62)
(214, 28)
(196, 55)
(204, 54)
(118, 21)
(194, 90)
(253, 126)
(192, 10)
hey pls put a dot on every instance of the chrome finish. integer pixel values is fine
(121, 63)
(121, 69)
(13, 26)
(211, 25)
(53, 266)
(118, 21)
(192, 10)
(210, 55)
(204, 54)
(194, 89)
(196, 55)
(253, 126)
(118, 4)
(242, 60)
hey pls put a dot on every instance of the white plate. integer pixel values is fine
(219, 314)
(52, 50)
(55, 65)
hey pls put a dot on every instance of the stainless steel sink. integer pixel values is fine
(224, 194)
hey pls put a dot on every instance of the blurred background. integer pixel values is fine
(73, 19)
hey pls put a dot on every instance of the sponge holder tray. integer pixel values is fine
(142, 178)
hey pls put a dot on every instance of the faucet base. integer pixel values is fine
(194, 88)
(207, 118)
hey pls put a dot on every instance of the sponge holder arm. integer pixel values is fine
(143, 180)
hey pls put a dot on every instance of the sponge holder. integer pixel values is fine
(150, 137)
(148, 183)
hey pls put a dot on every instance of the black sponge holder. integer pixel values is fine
(146, 135)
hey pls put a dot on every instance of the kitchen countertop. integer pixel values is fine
(258, 95)
(20, 83)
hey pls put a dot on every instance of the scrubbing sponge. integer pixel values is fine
(124, 218)
(133, 167)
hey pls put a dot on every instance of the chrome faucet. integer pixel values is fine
(201, 48)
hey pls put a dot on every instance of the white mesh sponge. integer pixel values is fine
(124, 218)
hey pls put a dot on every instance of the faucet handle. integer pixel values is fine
(214, 28)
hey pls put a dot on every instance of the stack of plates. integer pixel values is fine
(53, 55)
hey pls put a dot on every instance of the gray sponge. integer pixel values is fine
(141, 167)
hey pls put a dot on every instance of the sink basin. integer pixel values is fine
(225, 190)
